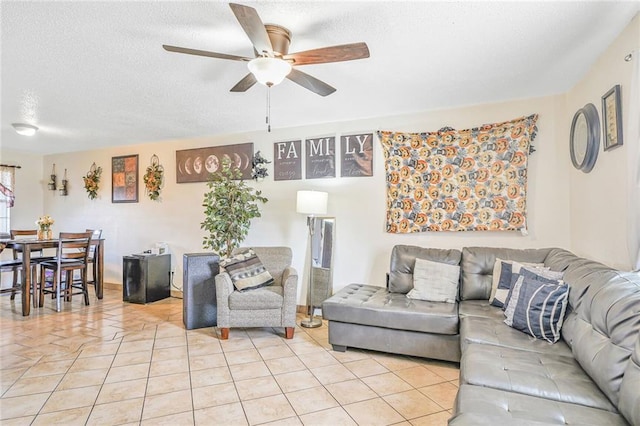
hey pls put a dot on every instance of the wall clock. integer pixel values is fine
(585, 138)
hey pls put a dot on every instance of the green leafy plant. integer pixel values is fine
(229, 206)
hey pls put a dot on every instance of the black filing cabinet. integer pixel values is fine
(146, 278)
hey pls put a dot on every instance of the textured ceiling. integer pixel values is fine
(93, 74)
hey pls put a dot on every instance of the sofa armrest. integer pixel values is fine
(290, 295)
(224, 288)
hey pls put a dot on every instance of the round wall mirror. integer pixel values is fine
(585, 138)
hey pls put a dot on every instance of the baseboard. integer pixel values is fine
(115, 286)
(112, 286)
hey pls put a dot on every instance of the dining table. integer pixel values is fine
(27, 245)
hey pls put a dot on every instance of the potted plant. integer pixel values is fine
(229, 206)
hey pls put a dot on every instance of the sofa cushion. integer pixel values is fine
(629, 404)
(537, 308)
(403, 259)
(477, 267)
(548, 376)
(605, 323)
(262, 298)
(435, 281)
(479, 308)
(477, 405)
(491, 331)
(370, 305)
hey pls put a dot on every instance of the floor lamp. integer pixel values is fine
(311, 203)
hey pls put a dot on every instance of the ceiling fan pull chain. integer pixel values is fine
(269, 109)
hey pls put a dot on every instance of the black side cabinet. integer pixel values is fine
(146, 278)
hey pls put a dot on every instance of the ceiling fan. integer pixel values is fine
(273, 62)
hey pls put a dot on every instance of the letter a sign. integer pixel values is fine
(287, 161)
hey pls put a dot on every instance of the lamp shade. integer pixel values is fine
(269, 71)
(312, 202)
(25, 129)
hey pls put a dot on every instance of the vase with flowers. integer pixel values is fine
(44, 227)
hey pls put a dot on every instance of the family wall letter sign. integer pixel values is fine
(357, 155)
(320, 157)
(287, 163)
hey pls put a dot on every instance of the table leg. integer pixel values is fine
(26, 281)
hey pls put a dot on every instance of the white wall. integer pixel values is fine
(362, 247)
(598, 208)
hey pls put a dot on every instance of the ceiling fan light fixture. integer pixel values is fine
(25, 129)
(269, 71)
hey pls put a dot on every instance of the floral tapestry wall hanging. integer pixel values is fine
(458, 180)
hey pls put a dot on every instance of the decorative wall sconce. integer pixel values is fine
(259, 171)
(63, 188)
(52, 179)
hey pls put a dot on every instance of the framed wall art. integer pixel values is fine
(357, 155)
(124, 179)
(612, 118)
(287, 160)
(320, 155)
(195, 165)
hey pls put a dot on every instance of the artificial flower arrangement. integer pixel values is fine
(153, 178)
(44, 222)
(92, 181)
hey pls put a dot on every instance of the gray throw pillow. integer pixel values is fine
(537, 308)
(501, 280)
(246, 271)
(435, 281)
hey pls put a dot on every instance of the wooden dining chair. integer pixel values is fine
(96, 234)
(72, 254)
(37, 256)
(13, 266)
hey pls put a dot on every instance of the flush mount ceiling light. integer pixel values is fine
(25, 129)
(269, 71)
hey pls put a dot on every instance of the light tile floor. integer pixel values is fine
(118, 363)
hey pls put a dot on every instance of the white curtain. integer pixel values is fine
(8, 183)
(632, 140)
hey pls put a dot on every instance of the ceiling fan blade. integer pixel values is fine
(204, 53)
(311, 83)
(323, 55)
(245, 84)
(253, 26)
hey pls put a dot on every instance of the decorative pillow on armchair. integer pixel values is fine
(537, 308)
(246, 271)
(435, 281)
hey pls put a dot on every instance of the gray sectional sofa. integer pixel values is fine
(591, 376)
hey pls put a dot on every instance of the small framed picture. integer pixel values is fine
(612, 118)
(124, 179)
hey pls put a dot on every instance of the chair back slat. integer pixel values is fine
(74, 245)
(96, 234)
(22, 234)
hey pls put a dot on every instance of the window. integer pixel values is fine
(7, 183)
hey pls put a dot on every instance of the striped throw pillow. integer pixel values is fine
(246, 271)
(537, 308)
(503, 271)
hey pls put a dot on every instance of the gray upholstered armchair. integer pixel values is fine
(272, 306)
